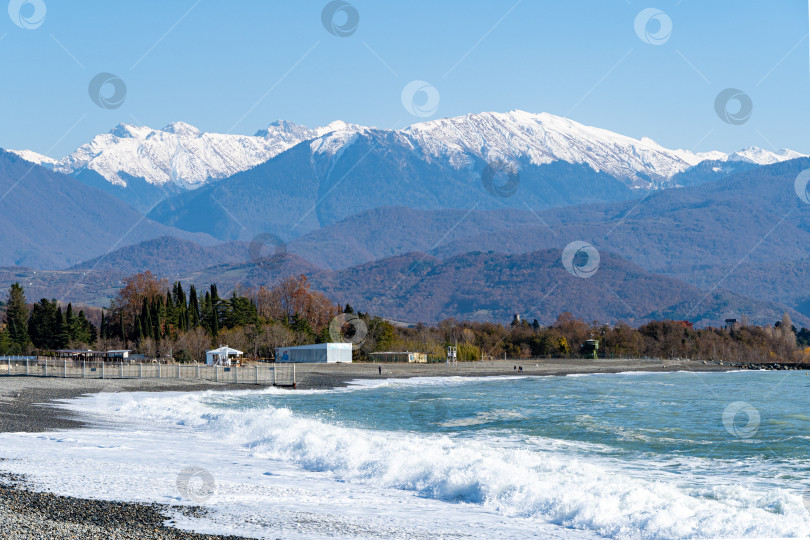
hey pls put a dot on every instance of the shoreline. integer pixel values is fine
(28, 404)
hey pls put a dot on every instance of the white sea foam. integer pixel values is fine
(278, 472)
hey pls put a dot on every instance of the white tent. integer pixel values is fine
(221, 356)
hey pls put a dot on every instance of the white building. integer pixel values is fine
(318, 353)
(221, 356)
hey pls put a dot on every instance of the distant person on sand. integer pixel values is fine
(379, 370)
(514, 368)
(520, 369)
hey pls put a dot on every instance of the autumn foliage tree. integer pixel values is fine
(127, 305)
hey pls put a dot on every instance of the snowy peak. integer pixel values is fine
(34, 157)
(543, 138)
(284, 128)
(760, 156)
(179, 153)
(181, 128)
(128, 131)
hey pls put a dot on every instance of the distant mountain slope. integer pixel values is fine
(486, 286)
(34, 157)
(492, 286)
(166, 256)
(308, 187)
(787, 282)
(52, 220)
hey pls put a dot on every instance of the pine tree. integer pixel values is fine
(17, 317)
(6, 345)
(61, 332)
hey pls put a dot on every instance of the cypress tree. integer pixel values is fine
(193, 308)
(139, 326)
(70, 323)
(103, 326)
(215, 305)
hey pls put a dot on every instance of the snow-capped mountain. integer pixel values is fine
(544, 138)
(759, 156)
(34, 157)
(186, 157)
(179, 153)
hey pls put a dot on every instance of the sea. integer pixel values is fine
(630, 455)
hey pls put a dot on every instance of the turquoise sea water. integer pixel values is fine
(636, 455)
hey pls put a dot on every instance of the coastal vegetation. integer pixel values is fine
(159, 320)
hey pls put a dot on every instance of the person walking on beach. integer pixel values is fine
(379, 370)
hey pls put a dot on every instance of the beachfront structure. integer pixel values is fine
(398, 356)
(221, 356)
(319, 353)
(88, 355)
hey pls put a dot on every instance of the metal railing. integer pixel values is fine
(275, 374)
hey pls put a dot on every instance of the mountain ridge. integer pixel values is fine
(188, 157)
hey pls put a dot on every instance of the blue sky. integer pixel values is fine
(236, 66)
